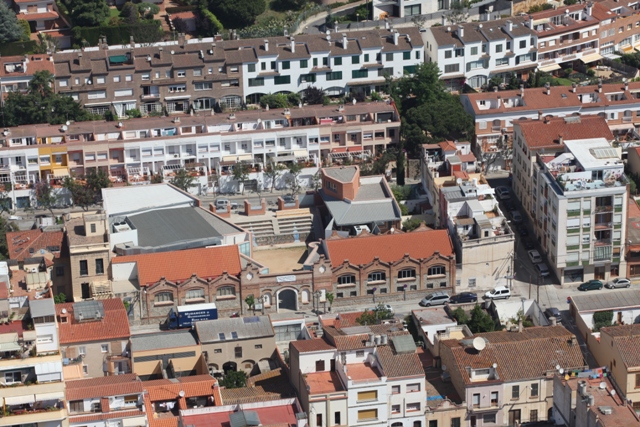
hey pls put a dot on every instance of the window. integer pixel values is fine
(533, 416)
(489, 418)
(13, 377)
(502, 61)
(413, 406)
(498, 48)
(195, 294)
(388, 57)
(494, 398)
(318, 420)
(369, 414)
(534, 390)
(320, 365)
(59, 270)
(308, 78)
(367, 395)
(413, 387)
(474, 50)
(438, 270)
(336, 75)
(226, 291)
(395, 409)
(163, 297)
(282, 80)
(337, 61)
(336, 418)
(206, 85)
(377, 276)
(346, 279)
(360, 353)
(360, 74)
(82, 350)
(99, 266)
(448, 54)
(476, 400)
(181, 73)
(258, 81)
(251, 68)
(355, 59)
(286, 65)
(407, 273)
(412, 10)
(406, 55)
(104, 348)
(515, 392)
(84, 268)
(455, 422)
(258, 346)
(395, 389)
(63, 83)
(217, 350)
(238, 352)
(131, 399)
(433, 423)
(263, 66)
(452, 68)
(304, 63)
(128, 77)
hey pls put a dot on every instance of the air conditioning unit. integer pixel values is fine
(175, 156)
(89, 82)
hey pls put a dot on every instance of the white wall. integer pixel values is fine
(124, 271)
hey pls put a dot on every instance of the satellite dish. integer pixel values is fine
(64, 311)
(479, 343)
(68, 123)
(495, 365)
(181, 394)
(561, 371)
(603, 385)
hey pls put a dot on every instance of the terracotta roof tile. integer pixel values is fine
(21, 243)
(37, 62)
(308, 346)
(546, 134)
(181, 265)
(114, 325)
(420, 243)
(627, 340)
(270, 386)
(38, 16)
(399, 365)
(193, 386)
(103, 387)
(105, 416)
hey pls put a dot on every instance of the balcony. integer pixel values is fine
(31, 416)
(604, 208)
(603, 225)
(602, 242)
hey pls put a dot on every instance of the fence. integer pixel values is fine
(626, 70)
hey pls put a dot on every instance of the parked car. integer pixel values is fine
(222, 204)
(528, 244)
(523, 231)
(591, 285)
(510, 205)
(516, 216)
(534, 256)
(503, 193)
(463, 297)
(619, 282)
(553, 312)
(436, 298)
(382, 307)
(543, 269)
(500, 292)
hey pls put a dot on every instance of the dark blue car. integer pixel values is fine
(463, 297)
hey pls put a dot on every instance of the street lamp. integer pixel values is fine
(317, 295)
(262, 300)
(404, 290)
(373, 292)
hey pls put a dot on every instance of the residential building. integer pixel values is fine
(242, 343)
(290, 327)
(271, 412)
(265, 388)
(506, 378)
(350, 201)
(496, 112)
(31, 372)
(571, 183)
(435, 324)
(51, 245)
(88, 242)
(203, 74)
(41, 14)
(589, 400)
(106, 401)
(17, 71)
(388, 266)
(474, 53)
(618, 30)
(632, 248)
(481, 235)
(166, 355)
(93, 338)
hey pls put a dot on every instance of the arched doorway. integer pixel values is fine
(230, 366)
(287, 300)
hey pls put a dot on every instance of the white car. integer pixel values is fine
(500, 292)
(543, 269)
(503, 193)
(534, 256)
(382, 307)
(222, 204)
(619, 282)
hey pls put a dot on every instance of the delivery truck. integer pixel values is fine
(184, 316)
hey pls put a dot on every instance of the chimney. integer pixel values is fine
(520, 325)
(521, 91)
(560, 139)
(547, 88)
(335, 29)
(386, 24)
(626, 84)
(131, 42)
(444, 20)
(105, 45)
(344, 41)
(574, 87)
(495, 88)
(396, 36)
(540, 115)
(589, 8)
(266, 45)
(293, 45)
(600, 87)
(530, 22)
(460, 31)
(181, 39)
(553, 321)
(509, 26)
(573, 340)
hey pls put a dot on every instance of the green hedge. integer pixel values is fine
(18, 48)
(142, 32)
(179, 9)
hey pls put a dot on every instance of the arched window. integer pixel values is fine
(267, 299)
(195, 294)
(226, 291)
(346, 279)
(377, 276)
(396, 425)
(163, 297)
(305, 296)
(407, 273)
(437, 270)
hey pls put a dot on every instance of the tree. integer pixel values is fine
(207, 24)
(288, 5)
(316, 181)
(461, 316)
(237, 14)
(295, 169)
(60, 298)
(314, 96)
(96, 180)
(602, 319)
(130, 13)
(234, 379)
(374, 316)
(330, 297)
(26, 30)
(148, 10)
(277, 100)
(5, 227)
(250, 300)
(241, 173)
(88, 13)
(183, 180)
(45, 196)
(10, 29)
(82, 195)
(411, 224)
(480, 321)
(272, 172)
(504, 151)
(458, 11)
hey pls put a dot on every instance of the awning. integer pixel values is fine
(57, 395)
(118, 59)
(621, 126)
(29, 335)
(60, 173)
(301, 153)
(173, 98)
(627, 48)
(9, 346)
(354, 130)
(19, 400)
(285, 159)
(549, 68)
(590, 58)
(238, 158)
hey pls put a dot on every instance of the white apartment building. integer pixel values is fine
(575, 193)
(473, 53)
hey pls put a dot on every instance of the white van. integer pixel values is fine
(500, 292)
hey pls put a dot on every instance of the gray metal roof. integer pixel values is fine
(165, 339)
(244, 419)
(232, 329)
(42, 307)
(355, 213)
(609, 300)
(88, 310)
(403, 344)
(374, 191)
(122, 200)
(342, 173)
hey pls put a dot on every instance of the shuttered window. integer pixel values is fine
(368, 395)
(369, 414)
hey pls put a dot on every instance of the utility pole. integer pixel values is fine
(538, 297)
(529, 285)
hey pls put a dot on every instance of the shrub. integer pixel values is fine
(602, 319)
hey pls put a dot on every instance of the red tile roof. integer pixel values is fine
(447, 146)
(37, 16)
(308, 346)
(627, 340)
(194, 386)
(181, 265)
(37, 62)
(114, 325)
(105, 416)
(103, 387)
(20, 243)
(419, 244)
(539, 134)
